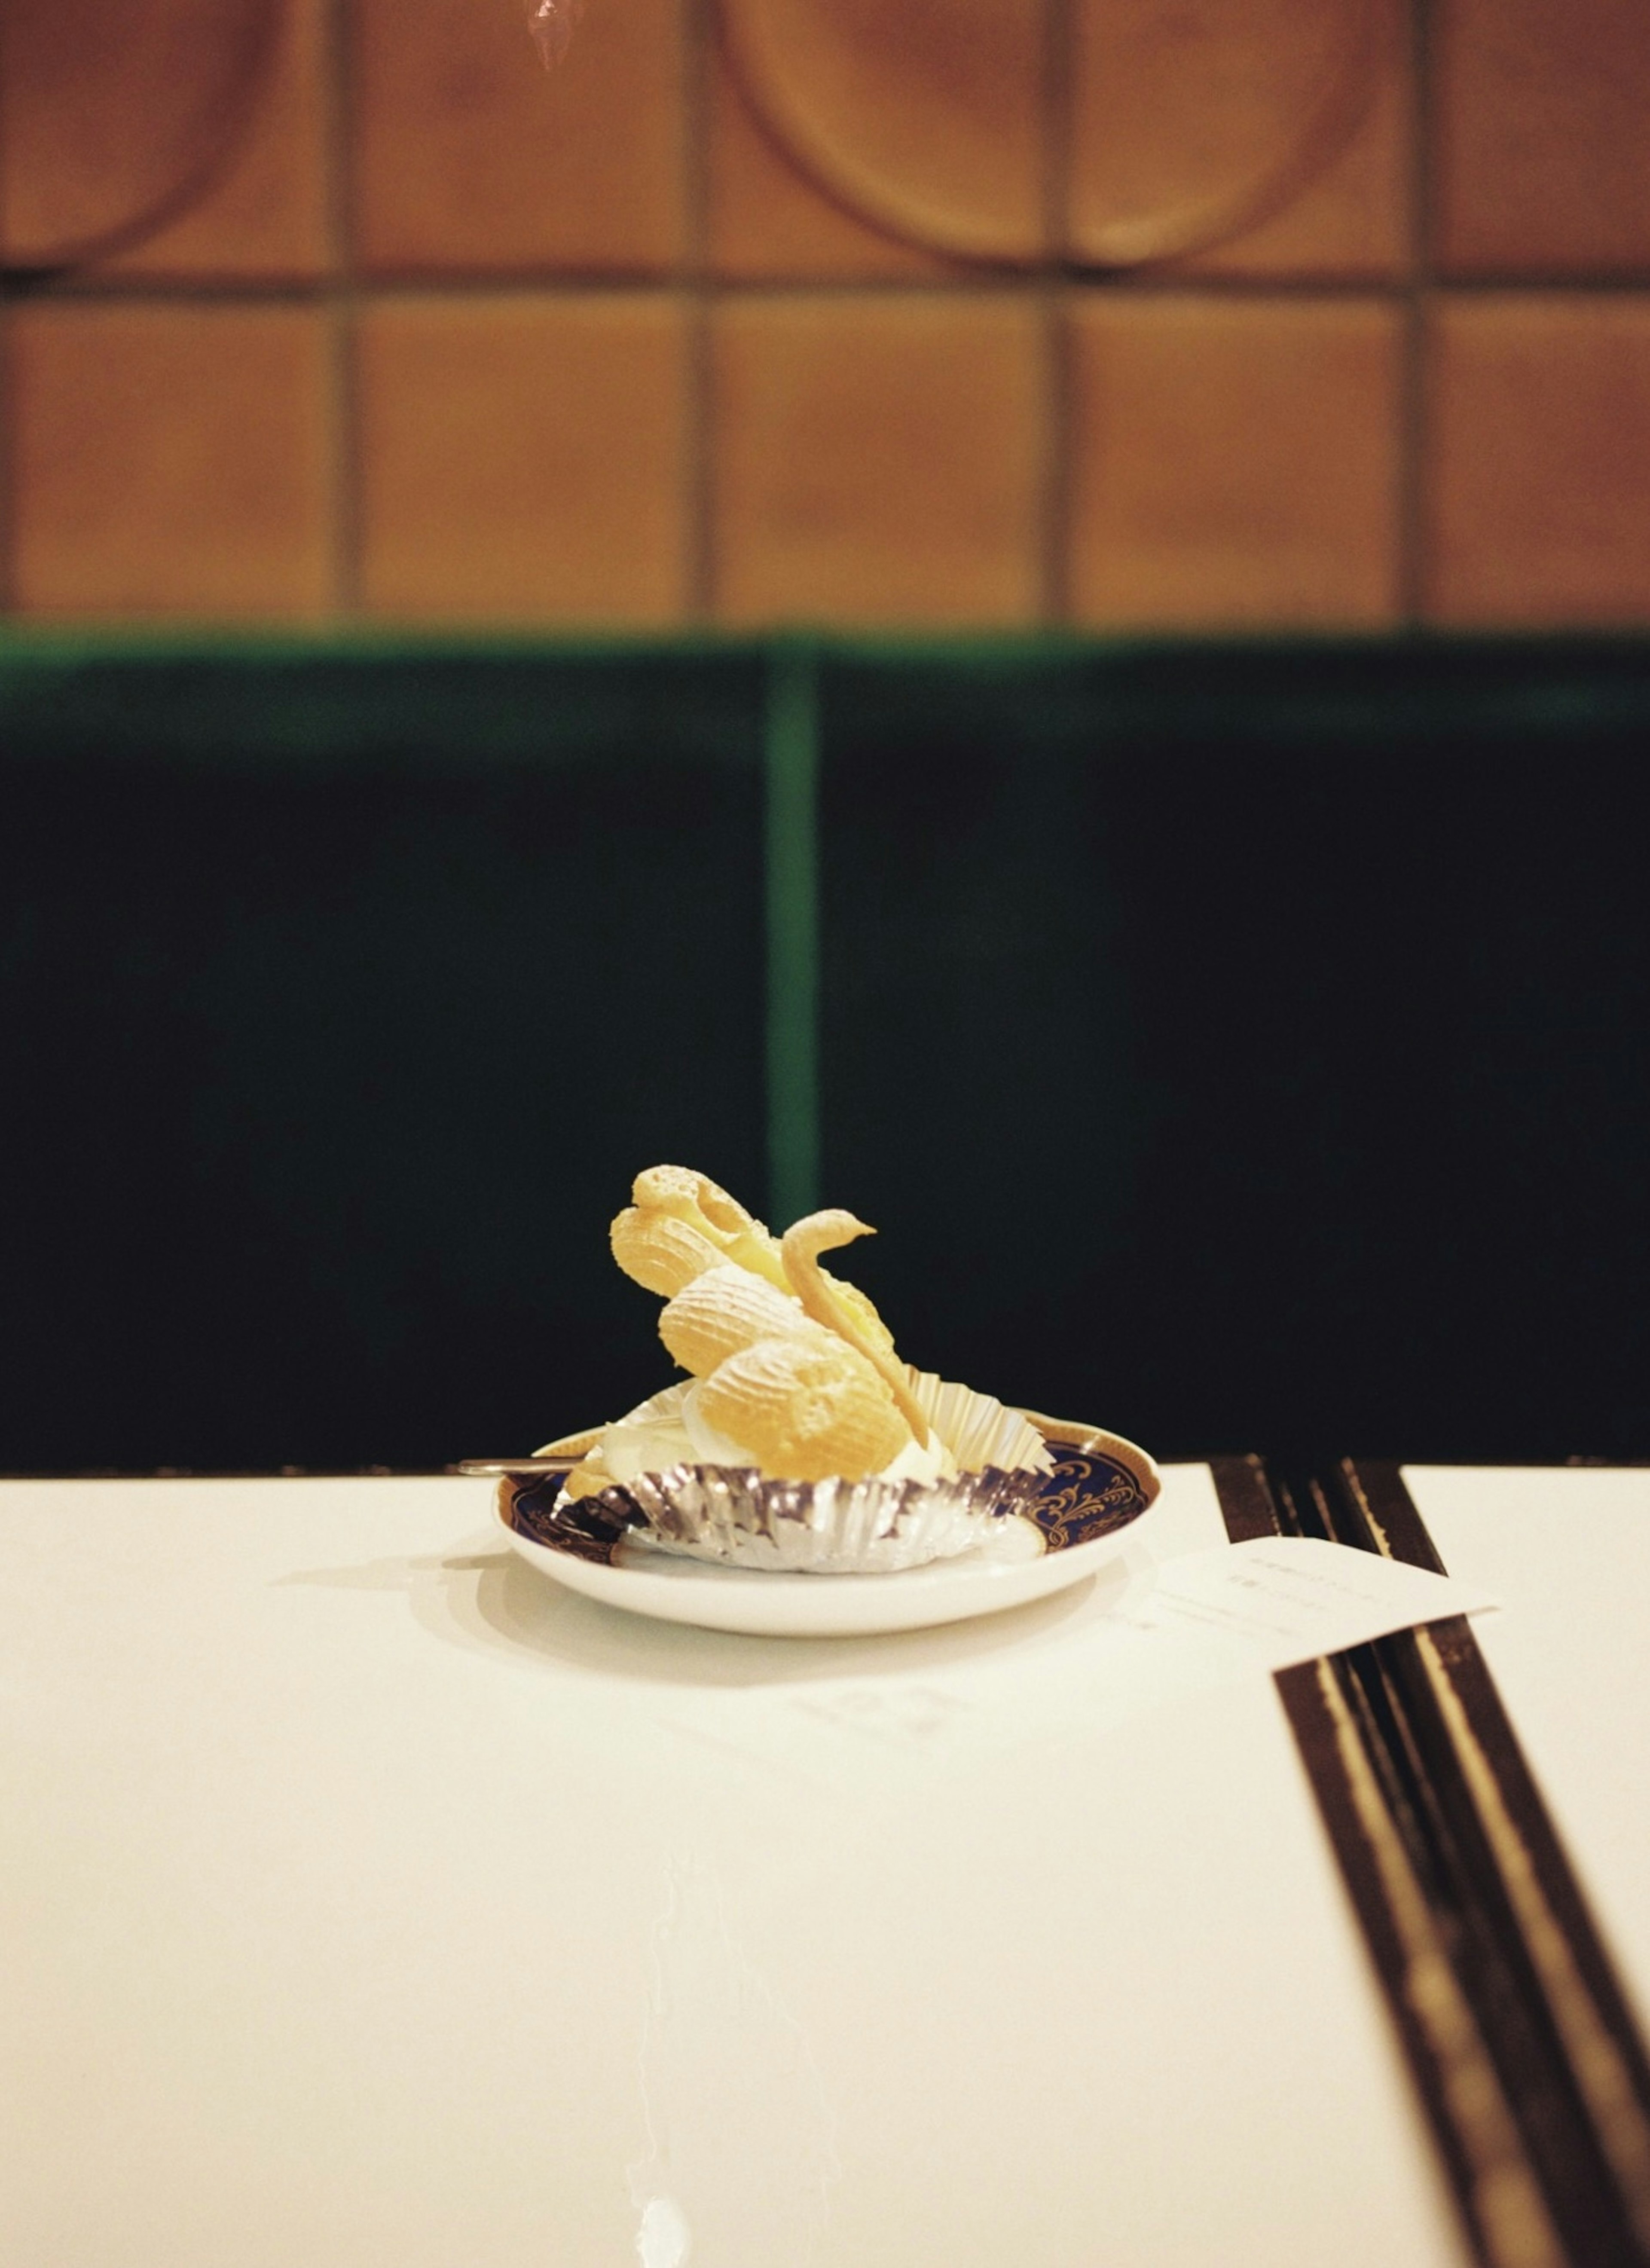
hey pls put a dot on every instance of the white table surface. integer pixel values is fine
(1567, 1552)
(368, 1898)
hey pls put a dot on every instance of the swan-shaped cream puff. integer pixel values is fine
(795, 1369)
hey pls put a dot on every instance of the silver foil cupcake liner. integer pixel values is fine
(733, 1516)
(820, 1527)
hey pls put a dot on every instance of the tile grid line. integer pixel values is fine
(341, 304)
(693, 283)
(1054, 294)
(571, 283)
(8, 418)
(1413, 454)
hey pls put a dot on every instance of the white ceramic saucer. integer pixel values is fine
(1086, 1514)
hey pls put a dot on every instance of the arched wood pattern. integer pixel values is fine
(1191, 122)
(1109, 133)
(115, 114)
(923, 117)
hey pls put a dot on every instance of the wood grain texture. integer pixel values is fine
(925, 117)
(171, 460)
(1542, 165)
(1193, 121)
(112, 119)
(1539, 459)
(469, 156)
(522, 458)
(264, 215)
(877, 459)
(1233, 463)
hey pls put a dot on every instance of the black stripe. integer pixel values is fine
(1532, 2074)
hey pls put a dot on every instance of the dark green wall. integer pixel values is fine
(1242, 1047)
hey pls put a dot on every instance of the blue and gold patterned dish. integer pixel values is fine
(1081, 1516)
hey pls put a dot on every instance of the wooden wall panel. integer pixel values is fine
(1319, 315)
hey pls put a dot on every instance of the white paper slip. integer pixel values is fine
(1290, 1598)
(886, 1715)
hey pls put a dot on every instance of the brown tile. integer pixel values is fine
(170, 460)
(1234, 462)
(469, 155)
(1351, 219)
(877, 458)
(1187, 122)
(1543, 147)
(767, 218)
(522, 458)
(925, 118)
(108, 115)
(265, 212)
(1539, 449)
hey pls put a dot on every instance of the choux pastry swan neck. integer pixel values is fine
(799, 1250)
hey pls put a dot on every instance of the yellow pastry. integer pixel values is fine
(797, 1439)
(826, 1301)
(796, 1372)
(667, 1197)
(723, 1310)
(660, 1251)
(807, 1407)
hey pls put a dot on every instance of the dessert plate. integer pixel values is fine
(1083, 1516)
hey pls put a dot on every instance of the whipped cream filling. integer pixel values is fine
(648, 1441)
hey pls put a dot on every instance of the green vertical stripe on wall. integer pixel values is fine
(792, 845)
